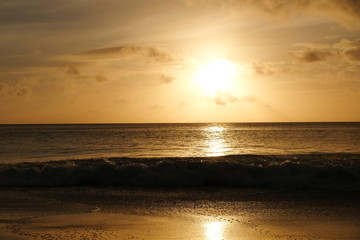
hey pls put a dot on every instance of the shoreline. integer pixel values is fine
(135, 213)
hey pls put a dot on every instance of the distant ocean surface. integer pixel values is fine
(276, 155)
(19, 143)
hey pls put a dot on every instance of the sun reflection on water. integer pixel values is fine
(214, 230)
(215, 148)
(215, 129)
(215, 141)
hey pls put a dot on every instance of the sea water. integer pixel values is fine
(257, 155)
(19, 143)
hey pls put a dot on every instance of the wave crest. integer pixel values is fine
(290, 172)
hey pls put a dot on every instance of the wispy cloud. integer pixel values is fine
(269, 68)
(153, 53)
(223, 98)
(261, 69)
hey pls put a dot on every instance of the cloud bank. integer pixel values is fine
(344, 50)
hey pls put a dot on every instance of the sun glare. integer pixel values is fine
(216, 76)
(214, 230)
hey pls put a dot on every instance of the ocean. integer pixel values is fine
(270, 155)
(180, 181)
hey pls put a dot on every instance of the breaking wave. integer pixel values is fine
(288, 172)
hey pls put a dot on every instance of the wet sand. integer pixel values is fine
(207, 214)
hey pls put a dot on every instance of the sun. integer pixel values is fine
(216, 76)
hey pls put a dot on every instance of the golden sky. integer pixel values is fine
(125, 61)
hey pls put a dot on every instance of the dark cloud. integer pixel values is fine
(153, 53)
(353, 54)
(346, 12)
(312, 55)
(158, 54)
(345, 50)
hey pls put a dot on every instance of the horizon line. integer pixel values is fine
(113, 123)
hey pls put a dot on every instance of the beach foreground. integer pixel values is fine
(207, 213)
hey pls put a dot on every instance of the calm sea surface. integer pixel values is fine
(19, 143)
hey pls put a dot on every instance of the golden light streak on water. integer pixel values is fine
(215, 141)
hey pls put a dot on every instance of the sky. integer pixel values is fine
(148, 61)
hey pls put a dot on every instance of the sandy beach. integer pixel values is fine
(208, 214)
